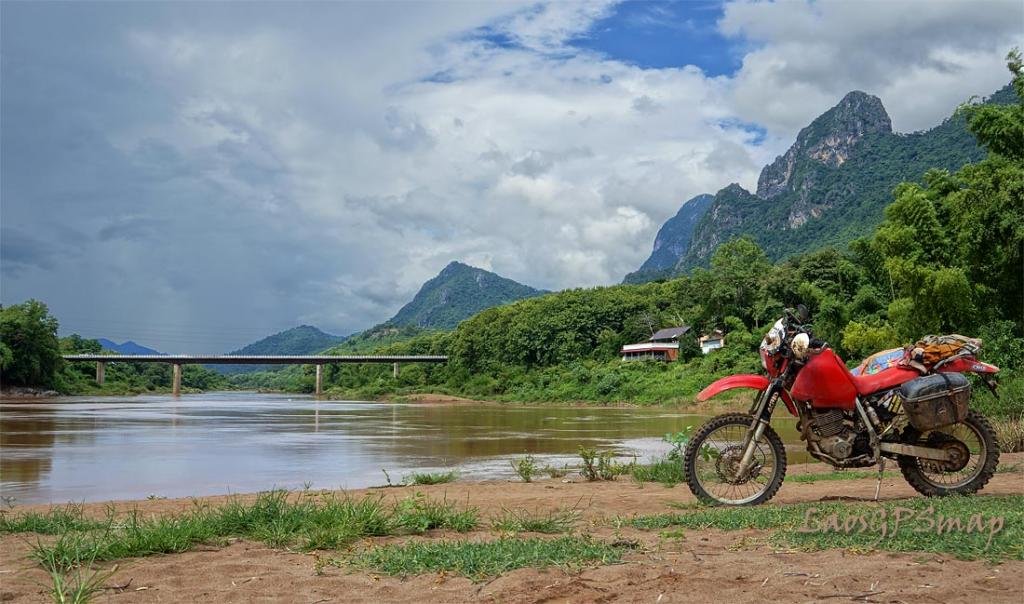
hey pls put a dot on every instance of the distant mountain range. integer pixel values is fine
(304, 339)
(829, 188)
(128, 347)
(458, 292)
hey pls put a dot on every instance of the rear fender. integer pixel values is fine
(968, 365)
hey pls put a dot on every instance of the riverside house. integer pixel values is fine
(662, 346)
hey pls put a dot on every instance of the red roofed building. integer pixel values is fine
(663, 346)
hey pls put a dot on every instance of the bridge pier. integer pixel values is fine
(319, 379)
(394, 371)
(176, 379)
(101, 372)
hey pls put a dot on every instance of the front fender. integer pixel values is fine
(747, 380)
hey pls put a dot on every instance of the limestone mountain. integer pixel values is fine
(458, 292)
(672, 241)
(832, 184)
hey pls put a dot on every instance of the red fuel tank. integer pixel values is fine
(825, 382)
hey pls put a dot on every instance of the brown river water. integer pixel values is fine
(95, 448)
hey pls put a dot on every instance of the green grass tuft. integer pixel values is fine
(925, 526)
(54, 522)
(429, 478)
(522, 521)
(419, 514)
(479, 560)
(274, 518)
(666, 471)
(77, 586)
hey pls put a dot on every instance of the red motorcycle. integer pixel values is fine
(916, 416)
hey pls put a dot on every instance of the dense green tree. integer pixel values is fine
(1000, 128)
(29, 333)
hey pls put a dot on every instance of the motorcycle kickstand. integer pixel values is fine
(881, 470)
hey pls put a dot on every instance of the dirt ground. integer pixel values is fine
(702, 566)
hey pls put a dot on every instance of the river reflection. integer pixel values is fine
(92, 449)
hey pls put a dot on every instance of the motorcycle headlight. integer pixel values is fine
(801, 343)
(772, 340)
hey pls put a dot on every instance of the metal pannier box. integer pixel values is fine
(938, 400)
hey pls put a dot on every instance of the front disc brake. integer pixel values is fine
(728, 463)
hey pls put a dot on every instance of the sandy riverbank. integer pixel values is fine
(735, 566)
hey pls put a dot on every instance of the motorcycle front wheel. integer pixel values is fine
(712, 459)
(976, 454)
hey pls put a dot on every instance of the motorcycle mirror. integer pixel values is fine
(802, 313)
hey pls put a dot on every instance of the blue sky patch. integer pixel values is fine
(665, 34)
(756, 134)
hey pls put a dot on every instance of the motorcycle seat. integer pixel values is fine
(883, 380)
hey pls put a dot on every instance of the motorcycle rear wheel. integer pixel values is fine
(713, 453)
(932, 480)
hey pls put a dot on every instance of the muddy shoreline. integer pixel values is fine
(735, 566)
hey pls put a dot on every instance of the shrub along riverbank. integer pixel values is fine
(31, 358)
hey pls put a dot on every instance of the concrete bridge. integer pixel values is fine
(317, 360)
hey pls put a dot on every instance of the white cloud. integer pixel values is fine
(921, 58)
(548, 26)
(318, 166)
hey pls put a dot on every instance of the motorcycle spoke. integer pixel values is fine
(718, 457)
(965, 434)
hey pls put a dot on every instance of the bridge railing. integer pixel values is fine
(317, 360)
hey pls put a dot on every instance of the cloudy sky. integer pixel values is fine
(195, 176)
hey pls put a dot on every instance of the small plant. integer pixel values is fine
(429, 478)
(319, 563)
(600, 466)
(67, 586)
(678, 440)
(589, 468)
(525, 467)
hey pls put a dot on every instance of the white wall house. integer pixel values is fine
(711, 342)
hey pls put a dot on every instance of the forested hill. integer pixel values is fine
(672, 241)
(831, 186)
(304, 339)
(458, 292)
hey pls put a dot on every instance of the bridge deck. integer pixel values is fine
(226, 359)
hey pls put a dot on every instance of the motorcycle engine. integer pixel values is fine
(836, 431)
